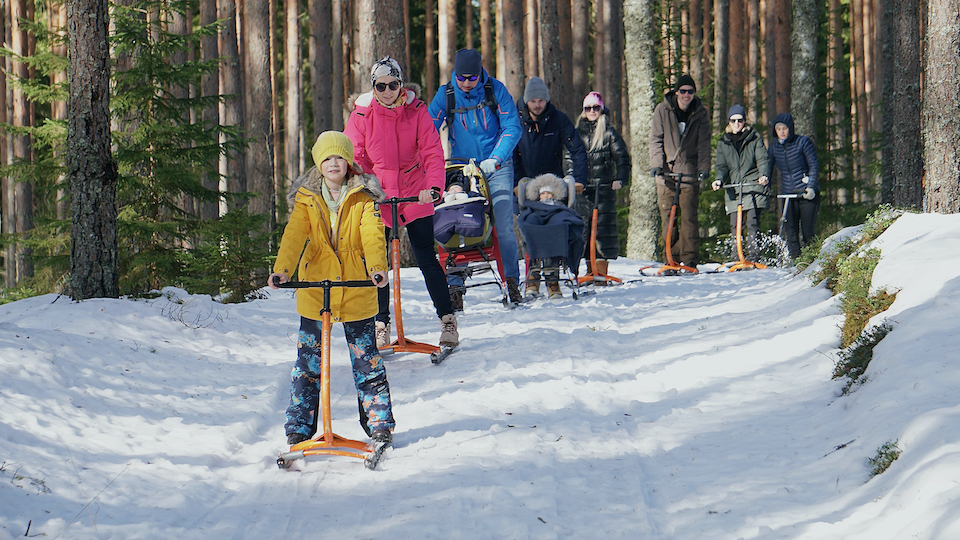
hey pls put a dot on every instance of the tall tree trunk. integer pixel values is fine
(447, 33)
(209, 87)
(783, 59)
(644, 221)
(696, 42)
(806, 29)
(231, 82)
(721, 60)
(600, 33)
(58, 109)
(613, 58)
(486, 36)
(552, 61)
(531, 39)
(258, 100)
(736, 55)
(839, 114)
(340, 48)
(20, 265)
(468, 24)
(94, 261)
(321, 69)
(570, 100)
(941, 117)
(7, 225)
(580, 46)
(901, 184)
(430, 60)
(292, 115)
(510, 69)
(387, 17)
(180, 24)
(858, 88)
(753, 60)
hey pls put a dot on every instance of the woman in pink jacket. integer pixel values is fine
(394, 139)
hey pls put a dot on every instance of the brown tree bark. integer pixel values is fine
(7, 225)
(447, 33)
(941, 116)
(531, 39)
(752, 91)
(695, 8)
(901, 184)
(552, 54)
(570, 100)
(721, 60)
(468, 24)
(486, 37)
(613, 57)
(258, 101)
(600, 30)
(340, 48)
(736, 55)
(510, 63)
(209, 87)
(783, 59)
(94, 260)
(321, 69)
(231, 82)
(430, 61)
(580, 46)
(20, 265)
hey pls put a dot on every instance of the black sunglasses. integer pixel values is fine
(737, 121)
(685, 91)
(382, 87)
(594, 108)
(471, 78)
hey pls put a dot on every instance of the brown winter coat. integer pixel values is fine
(688, 154)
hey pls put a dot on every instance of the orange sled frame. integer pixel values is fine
(742, 263)
(593, 276)
(671, 267)
(328, 443)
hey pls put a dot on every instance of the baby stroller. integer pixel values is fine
(553, 233)
(463, 227)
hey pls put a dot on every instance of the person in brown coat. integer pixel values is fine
(680, 143)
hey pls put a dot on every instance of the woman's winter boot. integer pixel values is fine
(449, 337)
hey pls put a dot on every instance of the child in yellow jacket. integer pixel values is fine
(335, 232)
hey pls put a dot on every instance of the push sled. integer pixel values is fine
(595, 276)
(742, 263)
(329, 443)
(402, 344)
(672, 268)
(466, 235)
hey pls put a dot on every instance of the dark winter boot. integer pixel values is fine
(513, 292)
(296, 438)
(456, 300)
(382, 436)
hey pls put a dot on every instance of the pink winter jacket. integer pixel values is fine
(401, 147)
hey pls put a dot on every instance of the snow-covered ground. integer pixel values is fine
(698, 407)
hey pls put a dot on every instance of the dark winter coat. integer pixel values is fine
(795, 157)
(549, 144)
(610, 162)
(745, 165)
(552, 230)
(670, 151)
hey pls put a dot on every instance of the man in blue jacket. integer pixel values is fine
(484, 126)
(796, 158)
(550, 144)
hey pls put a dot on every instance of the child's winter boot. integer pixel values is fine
(383, 334)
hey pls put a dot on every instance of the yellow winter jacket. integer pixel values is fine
(360, 248)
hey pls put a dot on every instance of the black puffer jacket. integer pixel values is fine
(611, 161)
(548, 145)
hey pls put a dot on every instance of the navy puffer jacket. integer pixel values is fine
(549, 144)
(795, 157)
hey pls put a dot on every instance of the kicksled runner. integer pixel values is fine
(329, 443)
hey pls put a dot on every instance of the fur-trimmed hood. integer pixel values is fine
(312, 180)
(556, 184)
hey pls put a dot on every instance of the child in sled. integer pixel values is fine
(553, 232)
(335, 232)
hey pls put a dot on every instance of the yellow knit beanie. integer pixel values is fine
(333, 143)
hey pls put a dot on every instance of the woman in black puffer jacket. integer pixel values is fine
(610, 170)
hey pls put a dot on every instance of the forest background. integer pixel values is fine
(166, 161)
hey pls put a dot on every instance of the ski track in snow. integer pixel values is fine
(672, 408)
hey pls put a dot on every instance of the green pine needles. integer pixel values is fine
(853, 361)
(886, 455)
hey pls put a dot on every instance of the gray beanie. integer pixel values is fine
(536, 89)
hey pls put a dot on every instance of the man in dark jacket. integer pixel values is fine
(680, 143)
(796, 158)
(549, 143)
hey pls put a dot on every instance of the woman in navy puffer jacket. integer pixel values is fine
(796, 158)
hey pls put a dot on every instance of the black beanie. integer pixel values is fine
(685, 80)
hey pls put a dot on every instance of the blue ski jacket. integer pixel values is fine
(795, 157)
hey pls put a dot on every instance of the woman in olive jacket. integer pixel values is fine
(742, 159)
(609, 170)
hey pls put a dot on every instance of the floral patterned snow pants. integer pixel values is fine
(369, 374)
